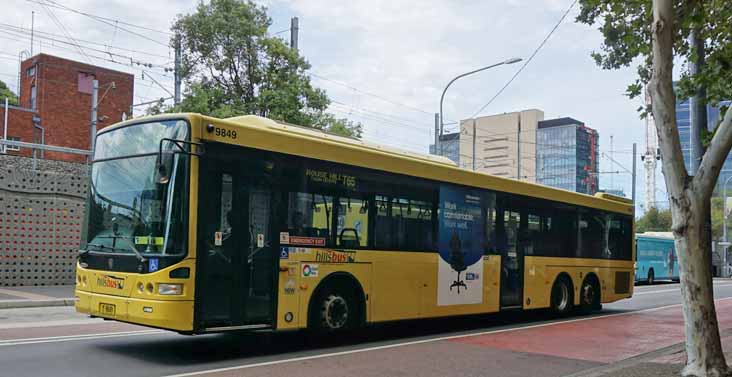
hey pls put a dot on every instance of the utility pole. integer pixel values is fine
(698, 120)
(33, 23)
(176, 96)
(474, 144)
(437, 134)
(518, 148)
(612, 180)
(94, 104)
(697, 106)
(633, 184)
(294, 28)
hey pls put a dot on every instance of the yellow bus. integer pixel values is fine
(197, 225)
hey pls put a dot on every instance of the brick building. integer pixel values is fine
(55, 104)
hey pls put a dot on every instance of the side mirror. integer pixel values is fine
(178, 146)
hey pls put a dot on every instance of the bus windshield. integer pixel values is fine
(131, 209)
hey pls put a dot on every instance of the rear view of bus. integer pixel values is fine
(134, 264)
(656, 258)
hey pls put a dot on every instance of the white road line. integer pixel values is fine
(60, 322)
(431, 340)
(67, 338)
(677, 289)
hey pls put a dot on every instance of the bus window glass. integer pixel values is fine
(490, 225)
(226, 205)
(619, 237)
(382, 223)
(309, 219)
(591, 235)
(511, 228)
(403, 224)
(352, 227)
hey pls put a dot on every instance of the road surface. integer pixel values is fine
(58, 342)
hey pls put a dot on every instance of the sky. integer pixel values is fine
(383, 63)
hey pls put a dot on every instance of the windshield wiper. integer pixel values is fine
(85, 251)
(129, 247)
(137, 253)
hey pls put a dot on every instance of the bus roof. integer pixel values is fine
(340, 149)
(313, 132)
(657, 235)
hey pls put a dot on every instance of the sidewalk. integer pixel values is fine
(36, 296)
(667, 361)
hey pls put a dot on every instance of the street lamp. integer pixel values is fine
(724, 228)
(442, 98)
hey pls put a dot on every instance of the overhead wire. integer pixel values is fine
(46, 35)
(66, 8)
(112, 55)
(574, 2)
(97, 18)
(63, 30)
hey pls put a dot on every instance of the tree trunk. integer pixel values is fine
(689, 198)
(703, 345)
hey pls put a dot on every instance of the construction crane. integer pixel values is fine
(651, 156)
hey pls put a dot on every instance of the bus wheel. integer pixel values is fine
(590, 295)
(561, 299)
(651, 277)
(335, 311)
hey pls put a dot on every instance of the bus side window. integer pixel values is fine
(310, 215)
(491, 242)
(382, 223)
(353, 219)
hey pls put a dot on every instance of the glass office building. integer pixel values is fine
(683, 121)
(450, 147)
(567, 155)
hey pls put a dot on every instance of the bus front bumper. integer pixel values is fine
(172, 315)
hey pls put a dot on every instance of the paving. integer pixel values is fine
(36, 296)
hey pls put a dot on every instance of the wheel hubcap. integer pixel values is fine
(335, 312)
(563, 297)
(588, 294)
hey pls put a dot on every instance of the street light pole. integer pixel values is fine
(442, 97)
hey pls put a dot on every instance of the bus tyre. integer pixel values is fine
(651, 277)
(561, 298)
(335, 311)
(590, 295)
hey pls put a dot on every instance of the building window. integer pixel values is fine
(12, 148)
(30, 71)
(33, 97)
(85, 82)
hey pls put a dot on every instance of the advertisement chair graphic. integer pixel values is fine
(457, 262)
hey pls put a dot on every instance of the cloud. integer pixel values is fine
(400, 50)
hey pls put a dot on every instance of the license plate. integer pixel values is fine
(106, 309)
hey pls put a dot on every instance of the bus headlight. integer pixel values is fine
(170, 289)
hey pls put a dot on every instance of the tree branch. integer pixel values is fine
(711, 164)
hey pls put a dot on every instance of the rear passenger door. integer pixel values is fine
(511, 244)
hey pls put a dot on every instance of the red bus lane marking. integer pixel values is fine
(604, 340)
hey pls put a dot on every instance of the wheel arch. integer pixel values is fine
(340, 279)
(565, 275)
(567, 278)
